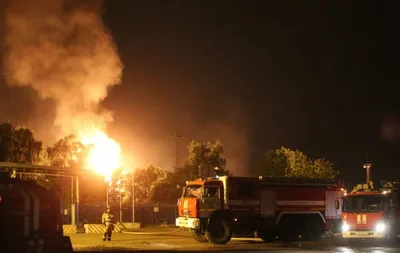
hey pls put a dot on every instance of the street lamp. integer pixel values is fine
(367, 167)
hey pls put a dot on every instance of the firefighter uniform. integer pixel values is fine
(108, 221)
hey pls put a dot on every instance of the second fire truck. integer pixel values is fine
(216, 208)
(372, 213)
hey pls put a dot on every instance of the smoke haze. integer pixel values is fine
(64, 52)
(147, 141)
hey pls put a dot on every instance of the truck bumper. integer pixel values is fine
(363, 234)
(182, 222)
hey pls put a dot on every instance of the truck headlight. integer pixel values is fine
(380, 227)
(345, 226)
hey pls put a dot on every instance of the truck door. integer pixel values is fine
(331, 196)
(212, 199)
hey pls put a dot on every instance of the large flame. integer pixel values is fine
(104, 155)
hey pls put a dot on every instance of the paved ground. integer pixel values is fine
(181, 241)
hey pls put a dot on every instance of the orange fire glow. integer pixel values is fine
(104, 156)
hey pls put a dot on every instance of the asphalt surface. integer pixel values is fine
(182, 241)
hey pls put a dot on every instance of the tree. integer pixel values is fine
(324, 168)
(18, 145)
(146, 179)
(67, 152)
(170, 185)
(294, 163)
(273, 163)
(298, 164)
(204, 157)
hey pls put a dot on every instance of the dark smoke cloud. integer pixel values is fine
(64, 52)
(144, 148)
(391, 130)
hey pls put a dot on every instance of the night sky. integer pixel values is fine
(318, 76)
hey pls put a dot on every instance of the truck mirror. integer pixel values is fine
(337, 204)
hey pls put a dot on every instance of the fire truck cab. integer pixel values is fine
(369, 213)
(217, 208)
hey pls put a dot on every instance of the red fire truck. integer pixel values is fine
(369, 213)
(214, 209)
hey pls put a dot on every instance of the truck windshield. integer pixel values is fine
(192, 191)
(364, 203)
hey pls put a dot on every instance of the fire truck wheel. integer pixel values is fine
(198, 235)
(288, 229)
(265, 235)
(313, 230)
(219, 231)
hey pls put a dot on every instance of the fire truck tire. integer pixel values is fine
(288, 229)
(198, 235)
(219, 231)
(266, 235)
(313, 230)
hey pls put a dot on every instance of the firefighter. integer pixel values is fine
(108, 221)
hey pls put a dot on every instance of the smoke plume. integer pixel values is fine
(65, 53)
(149, 142)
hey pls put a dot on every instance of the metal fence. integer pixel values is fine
(146, 214)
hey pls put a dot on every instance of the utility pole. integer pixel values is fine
(73, 219)
(120, 205)
(367, 166)
(77, 199)
(177, 137)
(133, 197)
